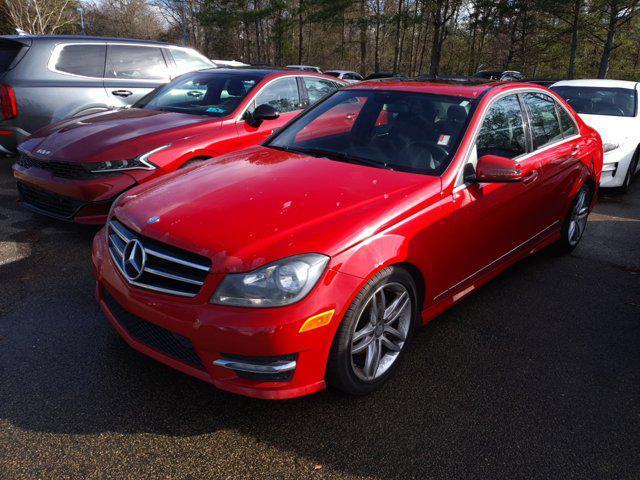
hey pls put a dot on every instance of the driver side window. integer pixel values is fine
(502, 131)
(282, 95)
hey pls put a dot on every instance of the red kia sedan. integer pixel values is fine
(309, 261)
(75, 168)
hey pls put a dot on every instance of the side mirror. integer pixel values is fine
(495, 169)
(261, 113)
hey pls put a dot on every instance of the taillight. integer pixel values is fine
(8, 102)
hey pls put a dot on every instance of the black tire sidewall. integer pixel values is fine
(340, 375)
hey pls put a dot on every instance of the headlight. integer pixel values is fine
(139, 163)
(608, 146)
(279, 283)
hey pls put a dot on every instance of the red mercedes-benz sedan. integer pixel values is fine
(309, 260)
(74, 169)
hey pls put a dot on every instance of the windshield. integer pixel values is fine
(412, 132)
(333, 74)
(617, 102)
(7, 55)
(211, 94)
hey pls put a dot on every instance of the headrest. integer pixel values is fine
(456, 113)
(235, 87)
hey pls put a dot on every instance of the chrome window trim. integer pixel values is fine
(460, 186)
(55, 55)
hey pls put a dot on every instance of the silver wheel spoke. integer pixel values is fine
(360, 334)
(389, 344)
(396, 308)
(361, 346)
(374, 352)
(396, 333)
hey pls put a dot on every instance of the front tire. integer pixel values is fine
(374, 333)
(576, 221)
(626, 184)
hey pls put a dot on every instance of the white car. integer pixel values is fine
(306, 68)
(346, 75)
(230, 63)
(612, 108)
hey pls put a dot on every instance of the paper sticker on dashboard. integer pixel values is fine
(444, 140)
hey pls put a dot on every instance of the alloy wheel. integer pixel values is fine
(578, 220)
(381, 331)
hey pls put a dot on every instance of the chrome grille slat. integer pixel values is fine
(172, 276)
(176, 260)
(175, 272)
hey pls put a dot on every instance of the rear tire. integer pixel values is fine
(374, 333)
(575, 222)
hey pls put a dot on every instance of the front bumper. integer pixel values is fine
(615, 166)
(81, 201)
(222, 341)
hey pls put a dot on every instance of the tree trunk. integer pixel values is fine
(436, 47)
(608, 44)
(396, 52)
(363, 34)
(377, 46)
(574, 39)
(300, 33)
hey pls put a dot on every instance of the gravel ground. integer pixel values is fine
(536, 375)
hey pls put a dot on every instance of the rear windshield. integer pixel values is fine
(412, 132)
(615, 102)
(7, 54)
(199, 93)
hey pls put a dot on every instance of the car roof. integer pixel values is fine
(596, 83)
(81, 38)
(262, 72)
(340, 71)
(458, 89)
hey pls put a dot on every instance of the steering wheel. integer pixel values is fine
(426, 154)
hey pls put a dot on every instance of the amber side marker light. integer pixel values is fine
(317, 321)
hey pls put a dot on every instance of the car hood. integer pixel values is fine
(612, 129)
(115, 135)
(259, 205)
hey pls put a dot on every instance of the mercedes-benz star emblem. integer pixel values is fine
(153, 220)
(133, 260)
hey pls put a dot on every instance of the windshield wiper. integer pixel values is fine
(333, 155)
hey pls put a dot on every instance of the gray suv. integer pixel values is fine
(46, 78)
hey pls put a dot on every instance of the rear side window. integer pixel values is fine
(502, 131)
(84, 60)
(187, 61)
(566, 123)
(132, 62)
(7, 55)
(545, 126)
(317, 88)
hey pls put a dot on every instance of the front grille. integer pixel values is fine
(48, 202)
(153, 265)
(75, 171)
(164, 341)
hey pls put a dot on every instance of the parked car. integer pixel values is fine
(45, 78)
(383, 75)
(502, 75)
(74, 169)
(611, 107)
(306, 68)
(347, 75)
(229, 63)
(311, 259)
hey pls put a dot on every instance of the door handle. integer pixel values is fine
(122, 93)
(530, 177)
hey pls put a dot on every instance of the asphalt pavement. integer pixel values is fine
(536, 375)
